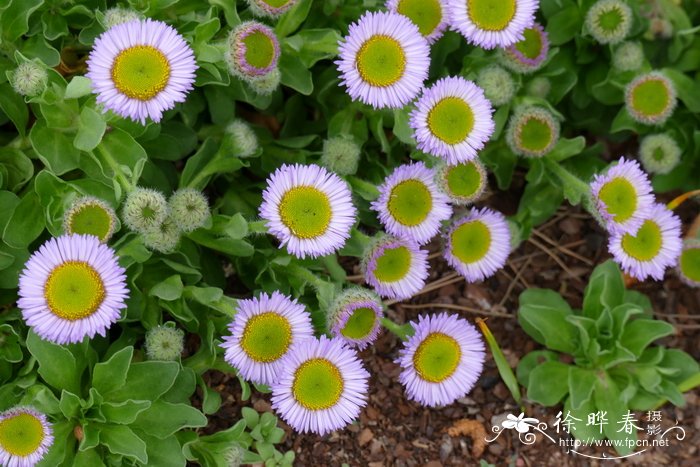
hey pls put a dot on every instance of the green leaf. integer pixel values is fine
(88, 458)
(123, 413)
(290, 21)
(530, 361)
(163, 452)
(548, 383)
(639, 333)
(119, 439)
(92, 127)
(170, 289)
(19, 168)
(581, 383)
(15, 19)
(605, 290)
(146, 381)
(504, 369)
(69, 404)
(563, 26)
(54, 148)
(295, 75)
(57, 365)
(542, 314)
(111, 375)
(163, 419)
(607, 399)
(250, 416)
(78, 86)
(13, 105)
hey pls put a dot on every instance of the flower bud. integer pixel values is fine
(29, 79)
(165, 342)
(189, 209)
(340, 155)
(144, 209)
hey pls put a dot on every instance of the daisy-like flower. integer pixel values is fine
(429, 15)
(322, 386)
(141, 68)
(394, 267)
(384, 60)
(263, 331)
(309, 209)
(478, 244)
(253, 50)
(492, 23)
(452, 120)
(410, 205)
(270, 8)
(656, 246)
(497, 83)
(659, 153)
(25, 437)
(528, 54)
(72, 287)
(90, 216)
(464, 183)
(689, 263)
(532, 131)
(609, 21)
(442, 361)
(354, 317)
(651, 98)
(623, 196)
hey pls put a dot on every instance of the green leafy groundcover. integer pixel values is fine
(179, 202)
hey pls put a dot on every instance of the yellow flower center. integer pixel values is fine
(74, 290)
(141, 72)
(647, 244)
(266, 337)
(317, 384)
(491, 15)
(451, 120)
(381, 61)
(21, 435)
(471, 241)
(306, 211)
(410, 202)
(437, 357)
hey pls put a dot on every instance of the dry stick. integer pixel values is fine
(541, 253)
(555, 258)
(450, 306)
(447, 280)
(563, 249)
(518, 273)
(677, 316)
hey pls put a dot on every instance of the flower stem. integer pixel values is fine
(402, 331)
(124, 182)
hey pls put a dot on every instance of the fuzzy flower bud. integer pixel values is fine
(189, 209)
(243, 138)
(609, 21)
(340, 155)
(144, 209)
(539, 87)
(119, 15)
(165, 342)
(270, 8)
(497, 83)
(29, 79)
(163, 238)
(266, 84)
(628, 56)
(689, 263)
(659, 153)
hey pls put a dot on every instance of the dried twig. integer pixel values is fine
(450, 306)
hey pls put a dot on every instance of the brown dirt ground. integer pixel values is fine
(394, 431)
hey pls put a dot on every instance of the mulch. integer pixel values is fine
(395, 431)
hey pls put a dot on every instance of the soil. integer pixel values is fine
(392, 430)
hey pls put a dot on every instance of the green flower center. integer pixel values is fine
(535, 135)
(306, 211)
(21, 435)
(140, 72)
(259, 49)
(74, 290)
(690, 263)
(451, 120)
(276, 3)
(410, 202)
(471, 241)
(426, 14)
(646, 245)
(393, 265)
(359, 324)
(91, 219)
(437, 357)
(266, 337)
(381, 61)
(531, 46)
(491, 15)
(650, 97)
(317, 384)
(620, 198)
(610, 20)
(464, 180)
